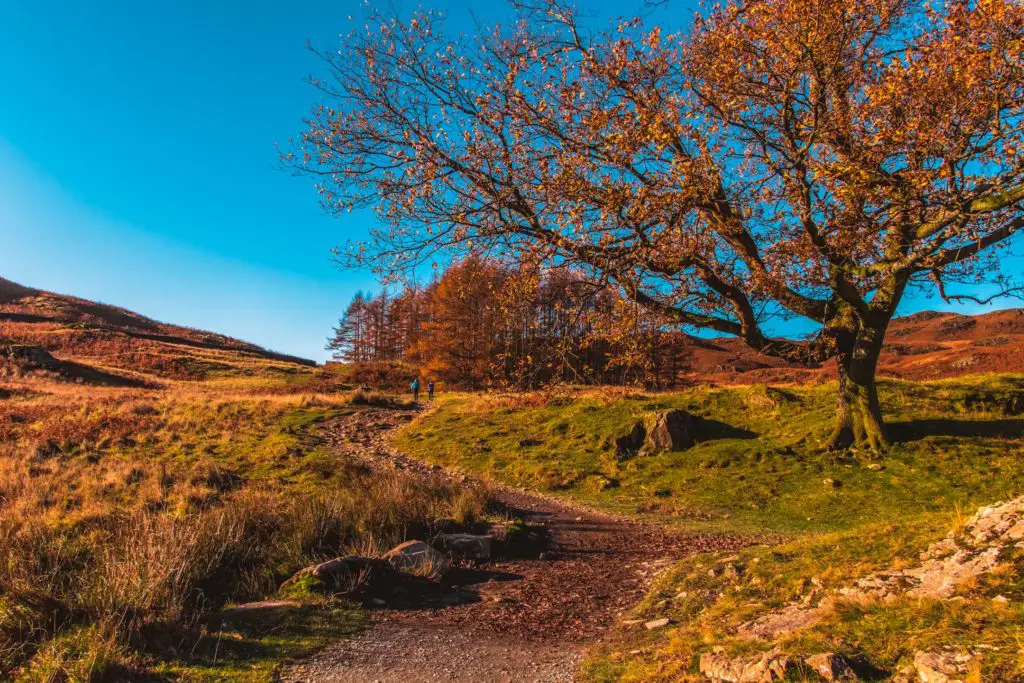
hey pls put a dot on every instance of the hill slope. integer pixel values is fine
(102, 336)
(925, 345)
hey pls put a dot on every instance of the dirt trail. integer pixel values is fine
(511, 619)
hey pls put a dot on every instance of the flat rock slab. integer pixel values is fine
(403, 654)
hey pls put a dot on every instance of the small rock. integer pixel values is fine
(940, 667)
(466, 546)
(656, 623)
(416, 557)
(1001, 600)
(831, 667)
(831, 483)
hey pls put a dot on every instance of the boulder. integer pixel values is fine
(416, 557)
(344, 573)
(632, 442)
(770, 666)
(466, 546)
(672, 430)
(831, 667)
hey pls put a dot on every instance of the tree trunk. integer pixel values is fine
(859, 421)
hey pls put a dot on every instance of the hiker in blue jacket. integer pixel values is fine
(416, 389)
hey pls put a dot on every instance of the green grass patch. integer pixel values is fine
(839, 516)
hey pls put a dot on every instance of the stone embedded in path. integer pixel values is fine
(671, 430)
(417, 557)
(466, 546)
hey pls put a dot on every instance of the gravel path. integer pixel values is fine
(512, 619)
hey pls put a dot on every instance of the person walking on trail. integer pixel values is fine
(430, 390)
(416, 389)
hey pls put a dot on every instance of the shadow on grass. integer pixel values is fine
(237, 640)
(713, 430)
(914, 430)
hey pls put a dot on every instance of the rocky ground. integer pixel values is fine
(525, 617)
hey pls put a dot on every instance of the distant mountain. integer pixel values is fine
(113, 338)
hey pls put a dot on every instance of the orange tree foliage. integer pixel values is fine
(810, 158)
(482, 323)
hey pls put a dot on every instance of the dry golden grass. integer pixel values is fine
(128, 514)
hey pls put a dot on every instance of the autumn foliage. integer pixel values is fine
(485, 324)
(812, 159)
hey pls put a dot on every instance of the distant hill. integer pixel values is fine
(925, 345)
(94, 338)
(104, 336)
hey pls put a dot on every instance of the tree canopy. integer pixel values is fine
(807, 158)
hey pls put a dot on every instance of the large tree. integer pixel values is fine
(810, 158)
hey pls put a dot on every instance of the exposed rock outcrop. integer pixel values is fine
(941, 667)
(762, 668)
(962, 555)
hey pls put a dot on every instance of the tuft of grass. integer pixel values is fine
(360, 397)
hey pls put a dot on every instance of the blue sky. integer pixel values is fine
(138, 163)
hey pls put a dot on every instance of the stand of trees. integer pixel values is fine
(487, 324)
(815, 159)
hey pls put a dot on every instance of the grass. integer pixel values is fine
(130, 516)
(151, 475)
(827, 518)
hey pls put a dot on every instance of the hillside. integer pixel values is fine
(925, 345)
(151, 474)
(99, 343)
